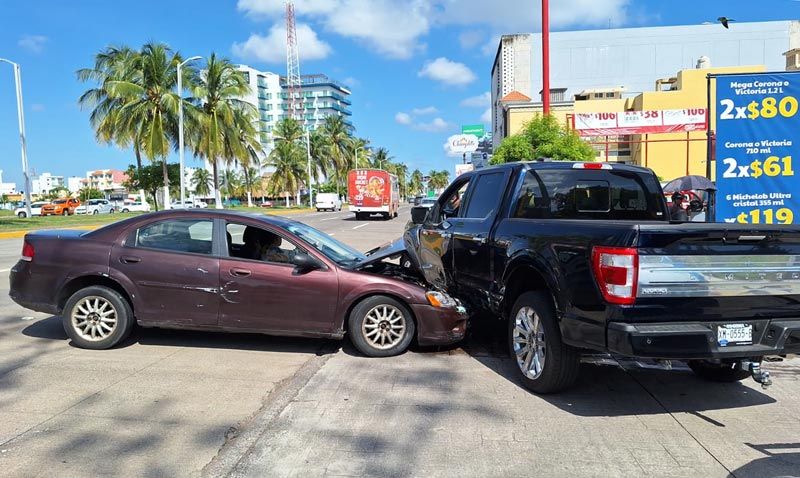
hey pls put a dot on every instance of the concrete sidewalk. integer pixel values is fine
(427, 414)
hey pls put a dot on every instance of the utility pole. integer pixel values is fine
(546, 57)
(23, 145)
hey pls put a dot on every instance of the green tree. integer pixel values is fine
(415, 183)
(84, 194)
(339, 139)
(218, 93)
(438, 179)
(544, 137)
(150, 178)
(381, 158)
(251, 178)
(231, 183)
(201, 180)
(322, 161)
(287, 160)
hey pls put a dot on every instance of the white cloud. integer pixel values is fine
(403, 118)
(470, 38)
(478, 101)
(438, 125)
(448, 72)
(32, 43)
(37, 107)
(428, 110)
(390, 27)
(272, 47)
(486, 117)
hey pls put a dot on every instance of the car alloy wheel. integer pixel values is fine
(384, 326)
(529, 343)
(93, 318)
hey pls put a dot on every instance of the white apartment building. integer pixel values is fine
(631, 58)
(46, 182)
(7, 188)
(74, 184)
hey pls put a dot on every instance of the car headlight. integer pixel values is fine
(437, 299)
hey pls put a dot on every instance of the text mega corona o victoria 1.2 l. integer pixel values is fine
(373, 191)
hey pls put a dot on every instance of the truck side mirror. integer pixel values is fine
(418, 214)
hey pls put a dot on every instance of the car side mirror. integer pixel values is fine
(304, 262)
(418, 214)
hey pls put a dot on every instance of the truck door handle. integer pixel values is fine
(236, 272)
(471, 237)
(130, 259)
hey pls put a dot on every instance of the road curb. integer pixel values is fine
(240, 441)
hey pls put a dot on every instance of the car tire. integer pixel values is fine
(718, 372)
(545, 364)
(22, 215)
(95, 212)
(126, 210)
(381, 326)
(65, 212)
(89, 314)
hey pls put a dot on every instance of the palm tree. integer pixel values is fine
(438, 179)
(360, 154)
(218, 93)
(148, 106)
(415, 183)
(231, 183)
(251, 177)
(339, 139)
(323, 164)
(286, 158)
(401, 170)
(201, 179)
(110, 65)
(381, 158)
(243, 148)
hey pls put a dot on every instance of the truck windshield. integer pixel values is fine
(589, 194)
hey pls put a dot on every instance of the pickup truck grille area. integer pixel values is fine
(718, 276)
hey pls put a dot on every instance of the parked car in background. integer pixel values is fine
(427, 202)
(61, 207)
(96, 206)
(328, 201)
(135, 206)
(232, 272)
(36, 209)
(266, 204)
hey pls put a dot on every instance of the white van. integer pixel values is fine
(328, 201)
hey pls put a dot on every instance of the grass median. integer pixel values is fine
(12, 226)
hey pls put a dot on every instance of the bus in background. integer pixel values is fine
(373, 191)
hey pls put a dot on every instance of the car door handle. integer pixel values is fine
(471, 237)
(130, 259)
(236, 272)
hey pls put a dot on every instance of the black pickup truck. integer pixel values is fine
(582, 257)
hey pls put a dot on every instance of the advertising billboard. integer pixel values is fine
(757, 132)
(640, 122)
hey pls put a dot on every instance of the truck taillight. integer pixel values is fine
(27, 251)
(616, 270)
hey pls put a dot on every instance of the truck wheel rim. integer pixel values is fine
(94, 318)
(384, 326)
(529, 343)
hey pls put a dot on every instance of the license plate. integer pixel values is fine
(733, 334)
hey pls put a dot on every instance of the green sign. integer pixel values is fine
(473, 129)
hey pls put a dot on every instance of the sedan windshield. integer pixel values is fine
(334, 250)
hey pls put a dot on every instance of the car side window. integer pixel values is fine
(485, 197)
(177, 235)
(255, 243)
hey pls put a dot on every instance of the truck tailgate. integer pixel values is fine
(717, 271)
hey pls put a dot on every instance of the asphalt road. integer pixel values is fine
(165, 402)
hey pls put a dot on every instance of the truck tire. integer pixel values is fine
(65, 212)
(97, 317)
(545, 364)
(718, 372)
(380, 326)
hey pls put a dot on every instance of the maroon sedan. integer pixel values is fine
(223, 271)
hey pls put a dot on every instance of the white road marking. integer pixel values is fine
(330, 218)
(361, 225)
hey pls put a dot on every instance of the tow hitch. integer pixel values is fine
(759, 375)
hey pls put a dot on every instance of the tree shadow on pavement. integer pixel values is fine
(780, 459)
(620, 388)
(51, 328)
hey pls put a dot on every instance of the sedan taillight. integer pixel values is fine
(616, 270)
(27, 251)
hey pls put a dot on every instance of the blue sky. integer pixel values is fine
(418, 69)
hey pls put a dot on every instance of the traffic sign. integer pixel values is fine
(476, 130)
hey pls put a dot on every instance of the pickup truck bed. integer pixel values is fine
(586, 253)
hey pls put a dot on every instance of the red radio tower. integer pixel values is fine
(293, 83)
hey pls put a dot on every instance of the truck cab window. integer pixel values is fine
(452, 204)
(485, 197)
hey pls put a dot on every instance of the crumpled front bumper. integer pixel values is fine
(440, 325)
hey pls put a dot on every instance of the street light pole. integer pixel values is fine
(180, 137)
(308, 158)
(21, 121)
(546, 57)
